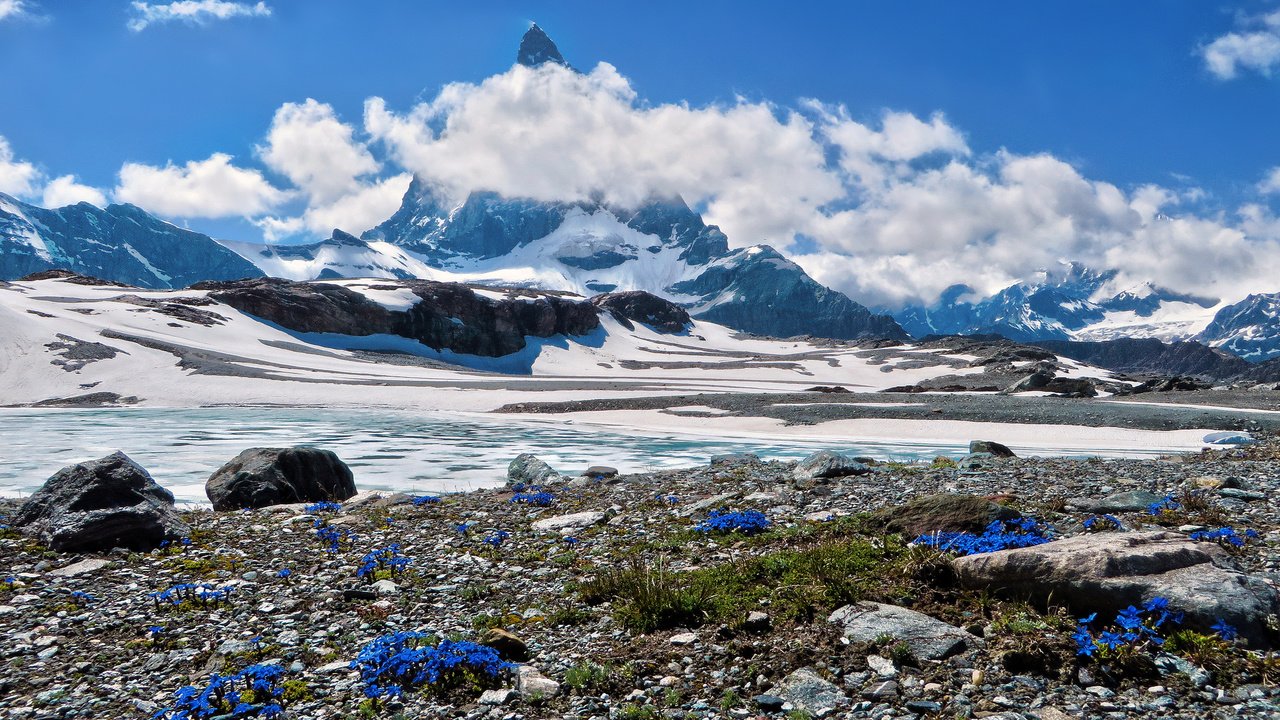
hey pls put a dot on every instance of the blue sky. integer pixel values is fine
(1121, 92)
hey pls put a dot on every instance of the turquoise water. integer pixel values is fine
(386, 450)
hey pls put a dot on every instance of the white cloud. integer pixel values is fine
(13, 9)
(355, 212)
(17, 177)
(64, 190)
(212, 188)
(1271, 183)
(553, 134)
(192, 12)
(317, 152)
(1255, 48)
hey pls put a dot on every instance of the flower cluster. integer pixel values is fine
(284, 573)
(254, 692)
(533, 495)
(422, 500)
(331, 536)
(496, 539)
(202, 594)
(180, 544)
(322, 506)
(391, 664)
(1164, 504)
(1134, 628)
(82, 598)
(1225, 536)
(667, 499)
(1225, 631)
(747, 522)
(999, 535)
(1098, 523)
(387, 558)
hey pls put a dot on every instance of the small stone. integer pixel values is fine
(882, 666)
(385, 587)
(882, 691)
(80, 568)
(531, 684)
(769, 703)
(498, 697)
(757, 622)
(509, 646)
(684, 639)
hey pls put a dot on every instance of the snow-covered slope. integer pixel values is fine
(61, 339)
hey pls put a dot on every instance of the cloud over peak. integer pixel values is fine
(1255, 46)
(192, 12)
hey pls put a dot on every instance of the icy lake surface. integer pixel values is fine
(386, 450)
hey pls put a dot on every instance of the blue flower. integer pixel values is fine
(497, 539)
(747, 522)
(1225, 631)
(1165, 503)
(284, 573)
(321, 507)
(997, 536)
(391, 663)
(425, 500)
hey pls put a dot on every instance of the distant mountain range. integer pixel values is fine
(663, 247)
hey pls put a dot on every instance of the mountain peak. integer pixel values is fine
(537, 48)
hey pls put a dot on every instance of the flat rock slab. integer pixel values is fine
(808, 691)
(928, 638)
(571, 522)
(84, 566)
(1109, 571)
(1131, 501)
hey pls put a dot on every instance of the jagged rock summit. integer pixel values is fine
(536, 48)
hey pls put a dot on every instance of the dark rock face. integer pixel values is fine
(449, 317)
(99, 505)
(642, 307)
(304, 307)
(455, 317)
(1151, 356)
(121, 243)
(537, 48)
(944, 512)
(259, 477)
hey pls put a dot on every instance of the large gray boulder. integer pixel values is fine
(990, 446)
(527, 469)
(826, 464)
(99, 505)
(260, 477)
(928, 638)
(1109, 571)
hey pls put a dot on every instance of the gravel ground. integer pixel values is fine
(69, 657)
(1149, 411)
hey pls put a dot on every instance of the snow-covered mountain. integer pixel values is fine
(1070, 302)
(1249, 328)
(121, 243)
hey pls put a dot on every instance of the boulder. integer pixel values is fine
(826, 464)
(1109, 571)
(927, 638)
(260, 477)
(529, 470)
(102, 504)
(990, 447)
(1229, 438)
(976, 461)
(735, 459)
(509, 646)
(1035, 381)
(946, 512)
(809, 692)
(602, 472)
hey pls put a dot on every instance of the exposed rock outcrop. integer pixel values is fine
(647, 308)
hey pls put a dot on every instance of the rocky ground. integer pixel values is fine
(623, 609)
